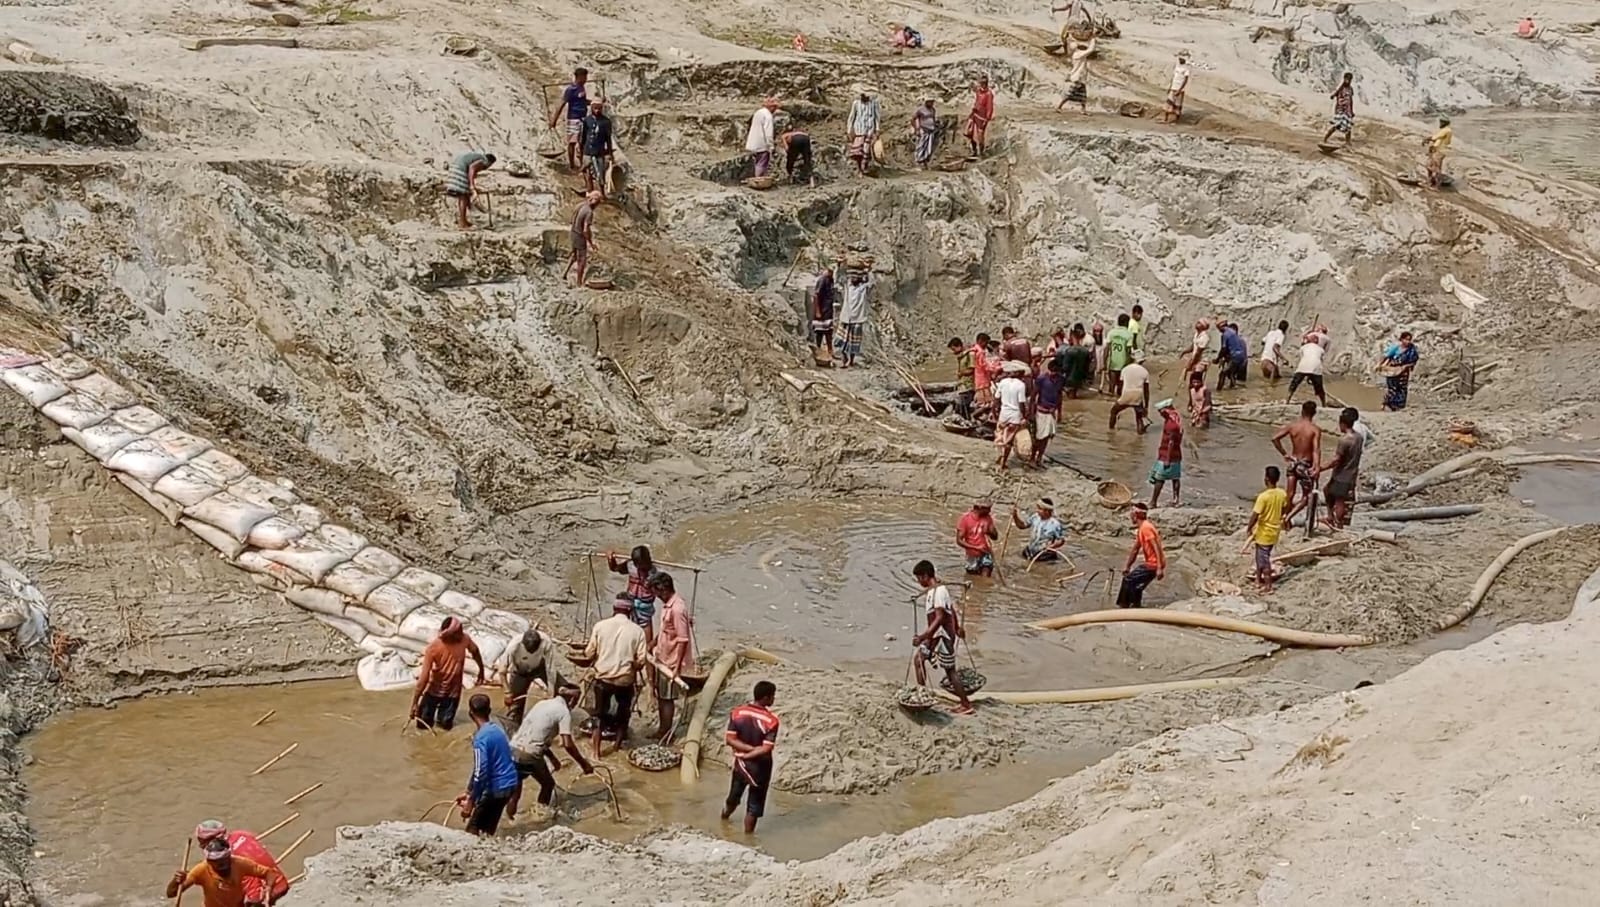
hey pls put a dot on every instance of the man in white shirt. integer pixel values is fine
(1313, 348)
(1135, 393)
(937, 641)
(762, 138)
(1272, 351)
(530, 746)
(1078, 78)
(1012, 393)
(1196, 361)
(861, 128)
(1178, 89)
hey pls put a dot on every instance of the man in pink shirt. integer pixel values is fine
(673, 652)
(982, 380)
(975, 533)
(981, 116)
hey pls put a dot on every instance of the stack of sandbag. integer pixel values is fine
(23, 612)
(385, 606)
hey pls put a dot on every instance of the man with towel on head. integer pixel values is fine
(861, 128)
(1169, 456)
(617, 647)
(439, 678)
(1047, 536)
(975, 533)
(223, 877)
(247, 846)
(1012, 392)
(1147, 560)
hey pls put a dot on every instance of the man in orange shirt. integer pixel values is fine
(672, 651)
(981, 116)
(246, 846)
(221, 878)
(1151, 557)
(975, 533)
(439, 681)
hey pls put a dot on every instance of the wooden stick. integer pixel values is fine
(795, 264)
(273, 761)
(302, 793)
(262, 720)
(263, 835)
(436, 805)
(661, 563)
(187, 843)
(299, 878)
(297, 842)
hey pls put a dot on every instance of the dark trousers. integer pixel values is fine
(486, 813)
(1134, 582)
(615, 706)
(749, 782)
(438, 711)
(539, 770)
(1301, 377)
(799, 153)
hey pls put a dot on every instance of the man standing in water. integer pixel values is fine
(1304, 456)
(752, 734)
(222, 877)
(1046, 410)
(975, 533)
(937, 641)
(981, 116)
(617, 647)
(1169, 456)
(1150, 555)
(437, 695)
(1345, 469)
(1312, 350)
(673, 653)
(1047, 535)
(1135, 383)
(245, 845)
(1119, 352)
(1272, 351)
(1075, 360)
(1437, 146)
(1264, 528)
(531, 746)
(520, 665)
(494, 772)
(1235, 355)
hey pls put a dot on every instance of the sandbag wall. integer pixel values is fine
(385, 606)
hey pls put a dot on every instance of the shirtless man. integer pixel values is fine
(1304, 458)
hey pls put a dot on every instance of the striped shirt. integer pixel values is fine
(458, 182)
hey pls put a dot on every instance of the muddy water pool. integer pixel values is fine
(114, 791)
(1553, 142)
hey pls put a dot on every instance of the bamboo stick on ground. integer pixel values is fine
(292, 847)
(302, 793)
(263, 835)
(274, 760)
(298, 879)
(262, 720)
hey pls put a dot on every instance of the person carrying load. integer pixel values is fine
(221, 878)
(248, 846)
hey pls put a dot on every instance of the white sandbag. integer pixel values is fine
(187, 485)
(75, 411)
(378, 560)
(211, 535)
(393, 602)
(169, 509)
(305, 516)
(230, 514)
(424, 623)
(103, 440)
(256, 562)
(275, 533)
(109, 392)
(423, 582)
(353, 580)
(215, 463)
(503, 623)
(403, 644)
(342, 539)
(266, 494)
(26, 601)
(180, 444)
(460, 604)
(348, 628)
(318, 601)
(140, 419)
(308, 556)
(385, 671)
(143, 459)
(491, 646)
(69, 366)
(374, 623)
(37, 384)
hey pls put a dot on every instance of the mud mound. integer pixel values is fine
(64, 107)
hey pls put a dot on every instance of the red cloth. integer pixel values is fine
(1171, 439)
(983, 107)
(247, 845)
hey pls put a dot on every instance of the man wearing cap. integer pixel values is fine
(761, 139)
(975, 533)
(221, 878)
(439, 679)
(531, 746)
(1169, 456)
(1135, 393)
(1012, 393)
(582, 235)
(1047, 536)
(1147, 560)
(494, 778)
(246, 845)
(520, 666)
(673, 653)
(861, 128)
(617, 647)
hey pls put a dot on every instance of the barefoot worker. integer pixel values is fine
(597, 147)
(1046, 534)
(937, 641)
(1313, 348)
(1135, 395)
(221, 878)
(1437, 146)
(494, 780)
(1272, 361)
(752, 734)
(437, 695)
(1344, 110)
(1345, 470)
(975, 533)
(639, 568)
(981, 116)
(1012, 393)
(1147, 559)
(520, 666)
(617, 647)
(575, 104)
(672, 651)
(1304, 456)
(1400, 358)
(861, 128)
(1046, 410)
(462, 182)
(248, 846)
(1265, 526)
(1169, 456)
(582, 236)
(1200, 402)
(924, 128)
(531, 746)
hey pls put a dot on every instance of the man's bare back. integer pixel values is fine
(1305, 440)
(1305, 450)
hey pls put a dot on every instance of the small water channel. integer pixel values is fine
(1569, 493)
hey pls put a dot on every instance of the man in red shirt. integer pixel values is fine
(981, 116)
(982, 379)
(975, 533)
(1148, 552)
(439, 680)
(1169, 457)
(673, 652)
(752, 734)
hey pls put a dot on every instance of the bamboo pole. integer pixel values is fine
(262, 720)
(658, 563)
(292, 847)
(274, 760)
(263, 835)
(299, 878)
(308, 790)
(187, 843)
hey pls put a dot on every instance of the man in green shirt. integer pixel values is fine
(1136, 325)
(1119, 352)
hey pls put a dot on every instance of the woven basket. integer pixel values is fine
(1114, 495)
(1133, 109)
(761, 182)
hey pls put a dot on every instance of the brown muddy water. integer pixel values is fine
(1569, 493)
(114, 791)
(1553, 142)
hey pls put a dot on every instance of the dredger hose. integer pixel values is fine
(1282, 635)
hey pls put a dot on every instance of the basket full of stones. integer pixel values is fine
(971, 681)
(915, 699)
(653, 757)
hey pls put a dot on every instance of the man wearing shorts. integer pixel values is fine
(937, 641)
(1304, 456)
(673, 653)
(1266, 525)
(752, 734)
(1312, 350)
(1012, 394)
(1046, 410)
(575, 105)
(975, 533)
(1135, 393)
(1147, 560)
(494, 772)
(1169, 456)
(1345, 469)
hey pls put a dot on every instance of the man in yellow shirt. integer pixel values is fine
(1266, 524)
(1437, 146)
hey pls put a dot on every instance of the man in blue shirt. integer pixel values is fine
(1047, 534)
(1234, 357)
(1046, 410)
(596, 146)
(574, 107)
(494, 772)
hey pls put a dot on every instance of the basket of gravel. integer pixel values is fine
(653, 757)
(971, 681)
(915, 699)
